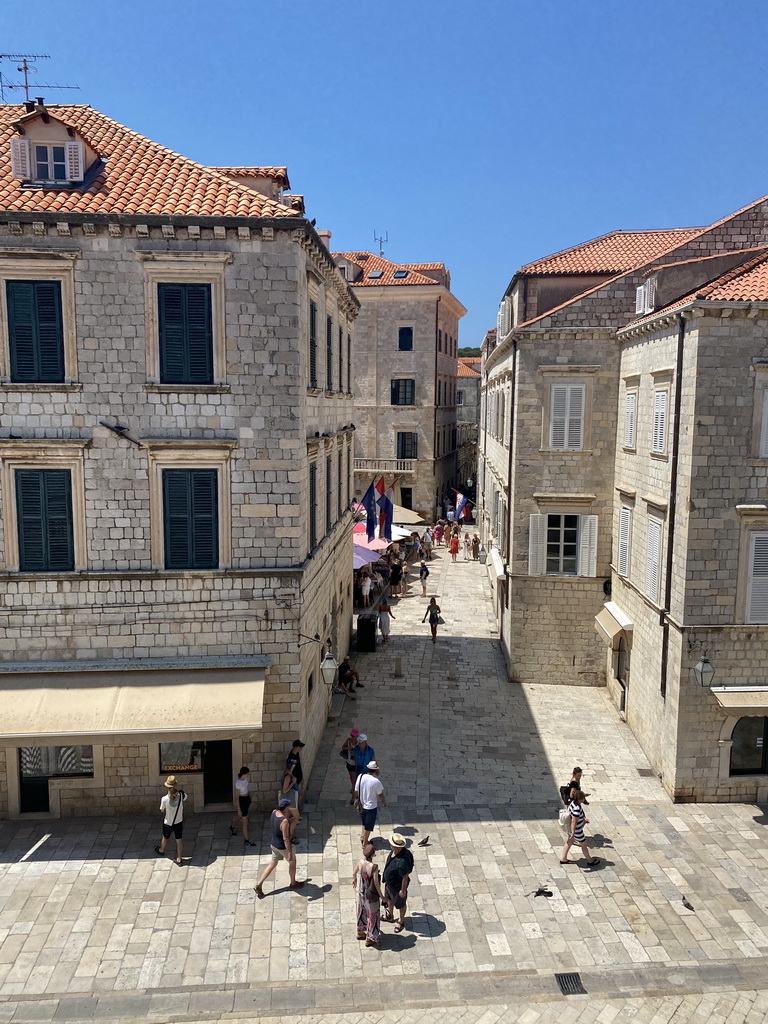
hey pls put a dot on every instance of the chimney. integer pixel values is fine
(40, 104)
(325, 238)
(29, 106)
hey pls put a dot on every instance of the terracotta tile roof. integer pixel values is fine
(139, 176)
(462, 370)
(423, 266)
(471, 360)
(613, 253)
(278, 174)
(370, 262)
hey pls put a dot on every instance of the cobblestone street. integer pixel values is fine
(94, 926)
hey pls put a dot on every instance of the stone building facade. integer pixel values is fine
(622, 470)
(175, 471)
(406, 337)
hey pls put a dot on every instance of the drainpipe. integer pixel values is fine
(508, 513)
(674, 457)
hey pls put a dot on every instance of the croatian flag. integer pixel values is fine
(461, 502)
(386, 503)
(369, 504)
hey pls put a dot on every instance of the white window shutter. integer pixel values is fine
(74, 161)
(660, 421)
(640, 299)
(587, 545)
(764, 428)
(575, 441)
(757, 584)
(537, 545)
(625, 540)
(650, 295)
(630, 414)
(558, 413)
(653, 560)
(20, 159)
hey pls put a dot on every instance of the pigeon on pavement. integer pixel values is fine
(424, 841)
(686, 904)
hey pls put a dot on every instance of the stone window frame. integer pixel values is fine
(662, 382)
(37, 265)
(95, 783)
(759, 446)
(405, 323)
(568, 374)
(754, 519)
(725, 743)
(185, 268)
(174, 453)
(41, 453)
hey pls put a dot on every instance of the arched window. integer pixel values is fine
(749, 752)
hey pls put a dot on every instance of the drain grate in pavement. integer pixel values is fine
(570, 984)
(647, 773)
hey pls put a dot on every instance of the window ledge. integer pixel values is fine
(629, 451)
(37, 388)
(315, 391)
(565, 451)
(659, 456)
(188, 389)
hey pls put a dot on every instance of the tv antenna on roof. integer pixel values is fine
(26, 69)
(381, 239)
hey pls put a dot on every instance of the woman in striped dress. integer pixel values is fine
(578, 821)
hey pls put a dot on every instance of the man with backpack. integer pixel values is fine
(423, 576)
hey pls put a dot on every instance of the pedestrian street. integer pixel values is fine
(94, 926)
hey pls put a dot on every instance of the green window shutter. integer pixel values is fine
(186, 333)
(312, 344)
(44, 511)
(35, 331)
(312, 506)
(190, 518)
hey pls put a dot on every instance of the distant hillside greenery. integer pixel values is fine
(469, 352)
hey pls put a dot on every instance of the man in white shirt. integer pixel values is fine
(369, 790)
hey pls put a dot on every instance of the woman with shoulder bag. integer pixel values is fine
(366, 880)
(576, 834)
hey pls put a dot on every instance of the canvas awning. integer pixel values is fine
(742, 700)
(406, 516)
(611, 620)
(84, 702)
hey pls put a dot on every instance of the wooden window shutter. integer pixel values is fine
(186, 333)
(660, 400)
(35, 331)
(349, 364)
(190, 512)
(625, 540)
(653, 555)
(640, 299)
(587, 545)
(328, 495)
(764, 428)
(74, 157)
(341, 360)
(21, 165)
(329, 353)
(630, 416)
(394, 392)
(575, 438)
(537, 545)
(44, 513)
(757, 583)
(312, 506)
(312, 344)
(339, 479)
(558, 412)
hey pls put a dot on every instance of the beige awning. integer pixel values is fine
(405, 516)
(42, 708)
(610, 621)
(742, 700)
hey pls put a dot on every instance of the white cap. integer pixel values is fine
(362, 736)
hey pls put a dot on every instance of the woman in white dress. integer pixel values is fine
(385, 614)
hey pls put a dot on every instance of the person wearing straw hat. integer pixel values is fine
(172, 809)
(397, 877)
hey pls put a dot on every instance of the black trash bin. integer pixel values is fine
(366, 632)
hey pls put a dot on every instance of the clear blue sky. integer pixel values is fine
(484, 134)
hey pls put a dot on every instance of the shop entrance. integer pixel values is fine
(39, 764)
(217, 780)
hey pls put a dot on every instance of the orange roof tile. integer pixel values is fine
(139, 176)
(462, 370)
(279, 174)
(612, 253)
(471, 360)
(371, 262)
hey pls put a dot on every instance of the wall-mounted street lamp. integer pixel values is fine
(328, 667)
(703, 671)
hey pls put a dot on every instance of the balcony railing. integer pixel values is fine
(396, 466)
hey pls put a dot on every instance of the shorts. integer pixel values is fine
(278, 855)
(351, 768)
(393, 897)
(173, 830)
(368, 818)
(245, 803)
(292, 795)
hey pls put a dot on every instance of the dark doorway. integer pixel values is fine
(217, 781)
(33, 794)
(406, 497)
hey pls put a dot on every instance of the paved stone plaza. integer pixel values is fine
(93, 926)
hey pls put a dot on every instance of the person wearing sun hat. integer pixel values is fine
(281, 845)
(397, 877)
(369, 791)
(172, 809)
